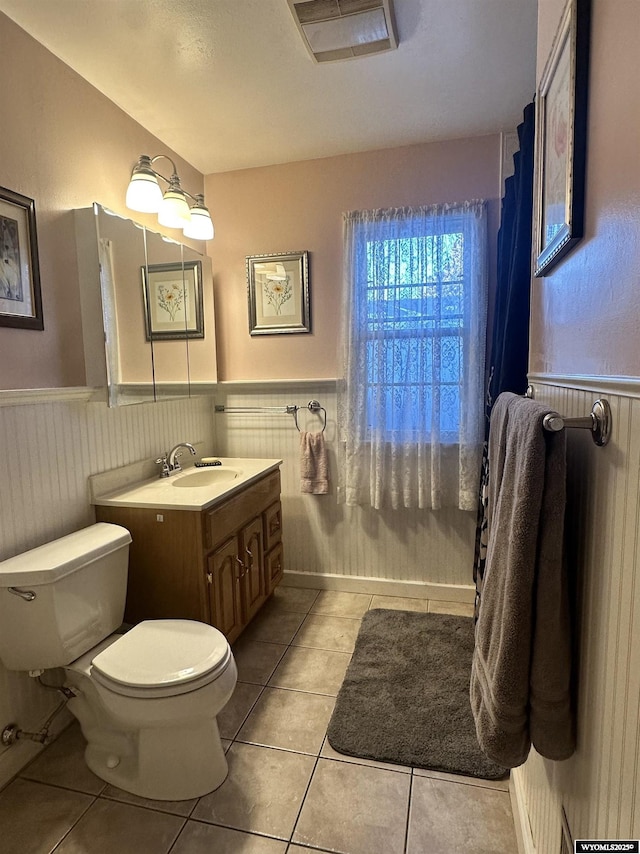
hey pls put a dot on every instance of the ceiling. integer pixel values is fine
(229, 84)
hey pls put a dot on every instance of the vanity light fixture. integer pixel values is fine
(144, 194)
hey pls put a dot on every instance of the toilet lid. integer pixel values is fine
(160, 653)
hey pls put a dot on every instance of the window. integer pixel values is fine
(415, 318)
(414, 342)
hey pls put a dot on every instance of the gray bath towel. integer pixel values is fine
(520, 679)
(314, 465)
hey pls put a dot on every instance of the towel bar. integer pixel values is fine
(291, 409)
(598, 420)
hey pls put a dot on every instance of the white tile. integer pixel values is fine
(234, 714)
(35, 817)
(354, 809)
(328, 752)
(291, 720)
(262, 793)
(400, 603)
(321, 632)
(115, 828)
(199, 838)
(460, 609)
(500, 785)
(256, 660)
(320, 671)
(448, 816)
(333, 603)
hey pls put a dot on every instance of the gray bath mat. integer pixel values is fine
(405, 696)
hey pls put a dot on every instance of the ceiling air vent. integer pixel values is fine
(344, 29)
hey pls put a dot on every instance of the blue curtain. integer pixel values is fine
(510, 333)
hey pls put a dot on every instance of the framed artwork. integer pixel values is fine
(20, 298)
(278, 287)
(561, 140)
(173, 300)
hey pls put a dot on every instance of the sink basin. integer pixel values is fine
(210, 477)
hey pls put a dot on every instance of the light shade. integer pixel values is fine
(199, 226)
(143, 193)
(174, 209)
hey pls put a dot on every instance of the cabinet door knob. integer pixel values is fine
(210, 577)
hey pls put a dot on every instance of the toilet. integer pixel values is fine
(146, 700)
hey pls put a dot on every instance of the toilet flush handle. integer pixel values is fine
(27, 595)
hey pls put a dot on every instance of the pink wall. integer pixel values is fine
(586, 313)
(65, 145)
(298, 206)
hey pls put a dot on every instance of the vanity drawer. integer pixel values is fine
(272, 525)
(273, 568)
(221, 522)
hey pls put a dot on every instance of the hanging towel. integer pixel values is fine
(314, 465)
(520, 678)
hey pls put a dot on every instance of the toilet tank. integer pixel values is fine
(80, 585)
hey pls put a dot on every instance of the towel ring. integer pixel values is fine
(312, 406)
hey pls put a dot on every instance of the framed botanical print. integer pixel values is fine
(173, 300)
(278, 289)
(20, 298)
(560, 141)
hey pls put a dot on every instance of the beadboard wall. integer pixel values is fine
(598, 787)
(49, 449)
(400, 552)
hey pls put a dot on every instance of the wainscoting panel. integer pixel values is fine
(49, 450)
(324, 537)
(598, 787)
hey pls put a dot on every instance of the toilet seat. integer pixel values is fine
(162, 658)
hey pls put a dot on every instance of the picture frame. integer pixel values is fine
(278, 291)
(561, 141)
(173, 301)
(20, 296)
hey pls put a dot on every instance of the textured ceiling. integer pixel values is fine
(228, 84)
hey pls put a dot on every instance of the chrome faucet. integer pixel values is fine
(170, 463)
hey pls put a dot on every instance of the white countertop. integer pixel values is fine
(176, 492)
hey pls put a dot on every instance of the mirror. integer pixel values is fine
(147, 310)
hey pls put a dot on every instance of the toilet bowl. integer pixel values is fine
(147, 703)
(146, 700)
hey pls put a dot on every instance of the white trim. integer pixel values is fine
(382, 586)
(520, 815)
(20, 396)
(25, 396)
(323, 383)
(625, 386)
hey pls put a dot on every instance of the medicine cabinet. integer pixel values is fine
(147, 311)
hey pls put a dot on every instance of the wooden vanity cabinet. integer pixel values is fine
(272, 521)
(218, 566)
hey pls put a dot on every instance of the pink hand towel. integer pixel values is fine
(314, 465)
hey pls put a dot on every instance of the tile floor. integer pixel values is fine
(288, 791)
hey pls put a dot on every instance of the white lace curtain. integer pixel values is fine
(410, 407)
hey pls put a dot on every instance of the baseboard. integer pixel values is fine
(520, 815)
(382, 586)
(15, 758)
